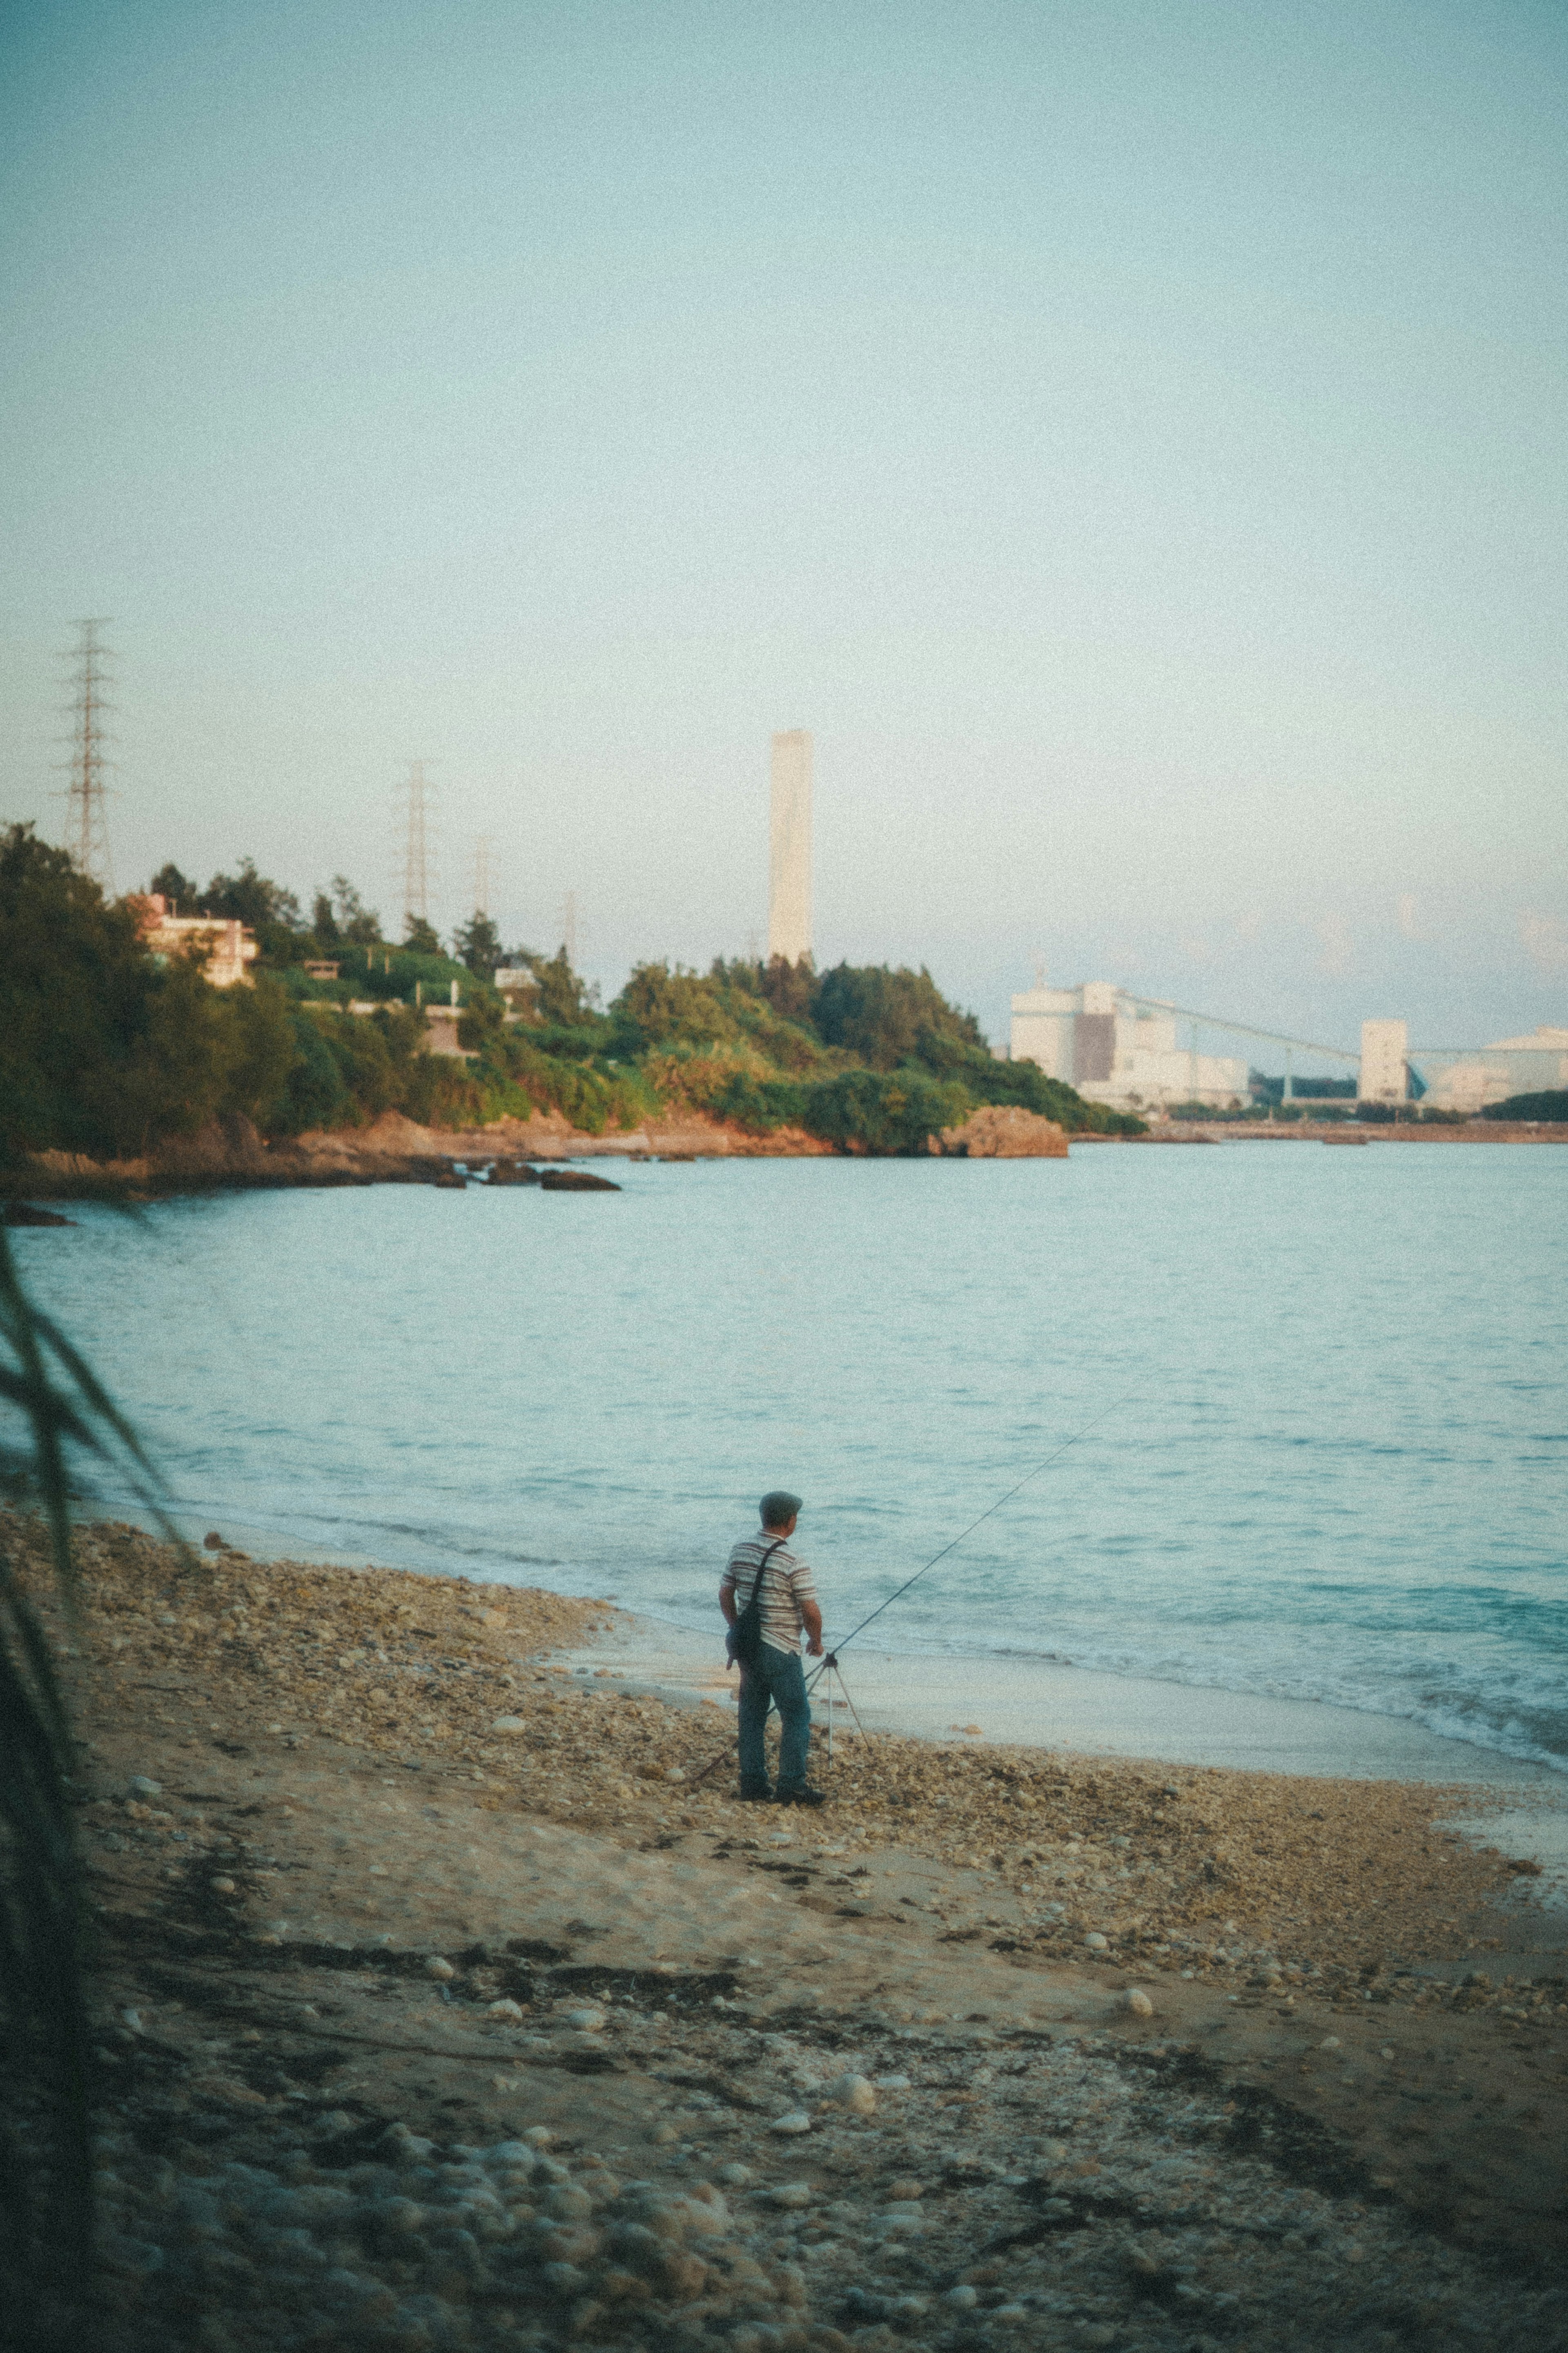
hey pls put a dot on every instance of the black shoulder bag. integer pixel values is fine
(744, 1640)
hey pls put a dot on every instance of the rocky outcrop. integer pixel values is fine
(1005, 1132)
(575, 1180)
(392, 1150)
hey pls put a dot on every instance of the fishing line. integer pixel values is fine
(1054, 1456)
(829, 1664)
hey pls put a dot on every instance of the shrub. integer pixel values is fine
(760, 1104)
(883, 1112)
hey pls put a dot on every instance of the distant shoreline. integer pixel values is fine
(394, 1151)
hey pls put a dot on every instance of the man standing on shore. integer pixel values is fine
(772, 1675)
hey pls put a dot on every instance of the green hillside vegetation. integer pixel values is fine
(107, 1049)
(1552, 1104)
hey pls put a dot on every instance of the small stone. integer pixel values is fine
(961, 2299)
(221, 1886)
(1137, 2002)
(442, 1971)
(140, 1785)
(509, 1724)
(538, 2136)
(506, 2008)
(906, 2188)
(1330, 2043)
(853, 2092)
(674, 1773)
(891, 2082)
(796, 2121)
(1096, 1942)
(586, 2021)
(793, 2193)
(735, 2177)
(1387, 2052)
(662, 2136)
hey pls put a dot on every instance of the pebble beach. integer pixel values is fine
(448, 1997)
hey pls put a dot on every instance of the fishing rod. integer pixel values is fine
(830, 1661)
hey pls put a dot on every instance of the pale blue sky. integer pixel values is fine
(1129, 436)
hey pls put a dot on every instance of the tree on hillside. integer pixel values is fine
(340, 918)
(248, 897)
(104, 1047)
(178, 892)
(881, 1013)
(788, 988)
(784, 986)
(564, 997)
(478, 945)
(420, 938)
(358, 924)
(659, 1007)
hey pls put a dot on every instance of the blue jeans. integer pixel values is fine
(778, 1680)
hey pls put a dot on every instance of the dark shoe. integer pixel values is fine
(759, 1796)
(802, 1797)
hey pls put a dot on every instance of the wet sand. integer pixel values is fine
(1207, 2037)
(1034, 1700)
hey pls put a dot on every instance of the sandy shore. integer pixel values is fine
(1074, 2049)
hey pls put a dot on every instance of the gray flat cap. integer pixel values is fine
(777, 1506)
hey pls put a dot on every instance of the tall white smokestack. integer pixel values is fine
(789, 848)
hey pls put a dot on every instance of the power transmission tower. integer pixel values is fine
(482, 875)
(569, 927)
(417, 857)
(86, 833)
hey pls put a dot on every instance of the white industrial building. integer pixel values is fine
(1120, 1051)
(1467, 1078)
(789, 848)
(1459, 1078)
(1385, 1074)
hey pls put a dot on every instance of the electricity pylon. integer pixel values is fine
(87, 832)
(417, 857)
(482, 875)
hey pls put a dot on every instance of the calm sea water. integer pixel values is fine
(1323, 1394)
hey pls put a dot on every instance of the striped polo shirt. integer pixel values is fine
(788, 1583)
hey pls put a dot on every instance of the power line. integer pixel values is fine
(87, 830)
